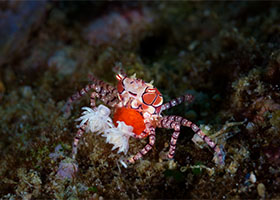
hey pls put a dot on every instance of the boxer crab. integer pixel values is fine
(137, 109)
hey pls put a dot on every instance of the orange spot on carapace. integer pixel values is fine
(158, 101)
(130, 117)
(148, 98)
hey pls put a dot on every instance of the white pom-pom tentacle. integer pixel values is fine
(96, 120)
(119, 136)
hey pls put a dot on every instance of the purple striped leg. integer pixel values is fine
(175, 121)
(99, 86)
(92, 99)
(110, 99)
(174, 102)
(77, 138)
(105, 92)
(147, 148)
(75, 97)
(219, 151)
(108, 93)
(169, 123)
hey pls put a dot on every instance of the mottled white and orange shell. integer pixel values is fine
(136, 94)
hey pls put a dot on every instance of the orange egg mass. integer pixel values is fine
(130, 117)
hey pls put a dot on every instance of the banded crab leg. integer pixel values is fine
(75, 97)
(174, 102)
(108, 93)
(77, 138)
(105, 92)
(93, 96)
(173, 122)
(108, 98)
(169, 123)
(152, 138)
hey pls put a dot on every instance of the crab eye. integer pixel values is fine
(131, 82)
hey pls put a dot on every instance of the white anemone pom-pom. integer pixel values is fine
(97, 119)
(119, 136)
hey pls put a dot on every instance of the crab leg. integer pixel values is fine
(77, 138)
(147, 148)
(171, 122)
(104, 91)
(107, 96)
(110, 99)
(92, 99)
(174, 102)
(99, 85)
(76, 97)
(107, 92)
